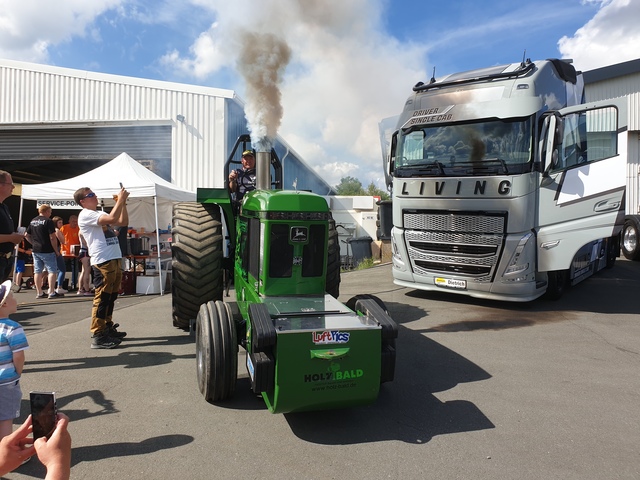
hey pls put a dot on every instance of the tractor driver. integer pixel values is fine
(243, 180)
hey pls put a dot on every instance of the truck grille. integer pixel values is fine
(454, 243)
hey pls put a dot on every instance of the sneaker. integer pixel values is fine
(104, 341)
(42, 295)
(56, 295)
(113, 332)
(80, 292)
(88, 294)
(61, 291)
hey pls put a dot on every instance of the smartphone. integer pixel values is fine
(121, 185)
(43, 413)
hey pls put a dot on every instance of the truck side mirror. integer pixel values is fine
(551, 137)
(391, 162)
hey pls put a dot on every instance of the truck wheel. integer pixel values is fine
(613, 250)
(216, 352)
(630, 239)
(332, 280)
(196, 268)
(556, 284)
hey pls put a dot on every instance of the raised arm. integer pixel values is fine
(118, 215)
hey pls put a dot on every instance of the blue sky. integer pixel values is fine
(352, 62)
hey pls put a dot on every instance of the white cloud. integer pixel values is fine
(344, 76)
(29, 27)
(611, 36)
(205, 57)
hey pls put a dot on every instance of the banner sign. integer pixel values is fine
(60, 204)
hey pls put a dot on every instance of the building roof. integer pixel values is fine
(110, 78)
(611, 71)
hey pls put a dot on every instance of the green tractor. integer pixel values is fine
(304, 349)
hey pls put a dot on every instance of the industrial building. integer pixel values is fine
(56, 123)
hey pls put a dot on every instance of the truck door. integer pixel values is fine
(583, 185)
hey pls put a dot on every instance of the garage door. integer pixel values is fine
(48, 154)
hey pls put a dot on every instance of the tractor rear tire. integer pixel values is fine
(196, 268)
(216, 352)
(332, 280)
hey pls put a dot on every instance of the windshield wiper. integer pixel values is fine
(503, 164)
(422, 168)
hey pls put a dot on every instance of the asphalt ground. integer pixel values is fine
(483, 390)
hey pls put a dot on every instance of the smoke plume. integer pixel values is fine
(262, 60)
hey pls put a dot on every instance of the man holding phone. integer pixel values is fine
(106, 261)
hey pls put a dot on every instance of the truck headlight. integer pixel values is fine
(396, 258)
(394, 249)
(515, 264)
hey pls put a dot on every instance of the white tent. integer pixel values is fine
(150, 202)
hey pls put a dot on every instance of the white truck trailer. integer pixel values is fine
(505, 185)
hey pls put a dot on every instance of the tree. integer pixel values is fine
(376, 192)
(350, 186)
(353, 187)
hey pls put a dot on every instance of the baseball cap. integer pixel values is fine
(247, 152)
(5, 290)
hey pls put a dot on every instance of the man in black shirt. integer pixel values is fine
(243, 180)
(41, 233)
(8, 236)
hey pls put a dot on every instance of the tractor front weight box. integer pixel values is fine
(261, 367)
(326, 356)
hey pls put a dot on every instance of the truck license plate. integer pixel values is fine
(451, 283)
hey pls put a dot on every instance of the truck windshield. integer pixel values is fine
(498, 147)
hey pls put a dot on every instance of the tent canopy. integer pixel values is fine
(146, 190)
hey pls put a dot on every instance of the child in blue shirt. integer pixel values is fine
(13, 343)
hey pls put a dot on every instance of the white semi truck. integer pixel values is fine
(505, 185)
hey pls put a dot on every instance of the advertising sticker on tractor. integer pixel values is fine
(330, 336)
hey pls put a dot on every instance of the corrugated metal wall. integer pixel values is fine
(629, 86)
(634, 110)
(40, 96)
(633, 180)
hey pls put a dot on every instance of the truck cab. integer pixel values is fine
(505, 185)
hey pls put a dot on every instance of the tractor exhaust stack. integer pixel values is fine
(263, 170)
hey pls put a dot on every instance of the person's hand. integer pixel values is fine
(55, 452)
(233, 175)
(15, 237)
(16, 447)
(124, 194)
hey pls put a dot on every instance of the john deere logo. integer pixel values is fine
(299, 234)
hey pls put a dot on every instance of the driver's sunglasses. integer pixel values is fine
(89, 195)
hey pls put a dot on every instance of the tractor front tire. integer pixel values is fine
(216, 352)
(196, 268)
